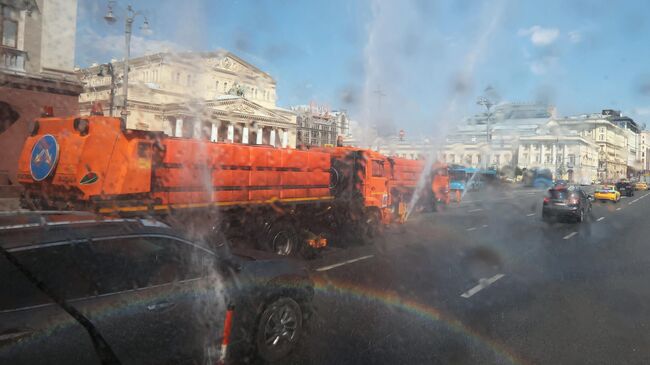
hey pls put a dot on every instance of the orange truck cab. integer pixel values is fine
(440, 183)
(359, 177)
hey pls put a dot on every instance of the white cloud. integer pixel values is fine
(540, 36)
(99, 48)
(575, 36)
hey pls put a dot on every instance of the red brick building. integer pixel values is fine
(36, 69)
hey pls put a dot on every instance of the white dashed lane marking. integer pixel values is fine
(600, 219)
(618, 208)
(471, 229)
(570, 235)
(325, 268)
(530, 215)
(482, 284)
(475, 210)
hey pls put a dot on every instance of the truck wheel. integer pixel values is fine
(279, 329)
(371, 226)
(282, 239)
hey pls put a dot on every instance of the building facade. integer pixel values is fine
(492, 140)
(601, 146)
(610, 139)
(211, 95)
(633, 138)
(36, 69)
(316, 126)
(403, 147)
(644, 149)
(570, 157)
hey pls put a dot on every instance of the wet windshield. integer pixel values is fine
(324, 182)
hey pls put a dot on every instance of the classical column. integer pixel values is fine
(260, 135)
(272, 138)
(196, 129)
(541, 154)
(244, 135)
(178, 131)
(214, 132)
(554, 153)
(285, 138)
(231, 133)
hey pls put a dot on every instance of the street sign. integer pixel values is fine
(45, 155)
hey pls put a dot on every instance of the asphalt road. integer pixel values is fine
(487, 282)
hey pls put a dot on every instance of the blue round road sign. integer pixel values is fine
(45, 155)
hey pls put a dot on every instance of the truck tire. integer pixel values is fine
(371, 226)
(282, 239)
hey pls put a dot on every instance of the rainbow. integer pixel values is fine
(323, 286)
(394, 301)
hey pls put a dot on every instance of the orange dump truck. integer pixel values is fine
(285, 200)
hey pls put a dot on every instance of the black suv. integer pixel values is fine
(76, 288)
(566, 201)
(625, 187)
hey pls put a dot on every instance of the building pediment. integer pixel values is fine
(228, 62)
(246, 108)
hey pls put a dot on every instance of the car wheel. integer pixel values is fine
(581, 216)
(279, 329)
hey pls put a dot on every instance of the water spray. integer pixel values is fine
(468, 70)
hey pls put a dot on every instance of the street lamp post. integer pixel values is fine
(109, 69)
(128, 26)
(488, 105)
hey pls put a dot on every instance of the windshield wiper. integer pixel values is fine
(103, 350)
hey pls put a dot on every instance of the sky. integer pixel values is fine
(417, 65)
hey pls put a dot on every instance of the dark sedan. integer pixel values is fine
(566, 202)
(625, 188)
(80, 289)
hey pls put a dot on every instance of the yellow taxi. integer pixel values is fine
(607, 193)
(640, 185)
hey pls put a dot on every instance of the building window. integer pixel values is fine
(189, 80)
(216, 85)
(225, 87)
(572, 160)
(9, 30)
